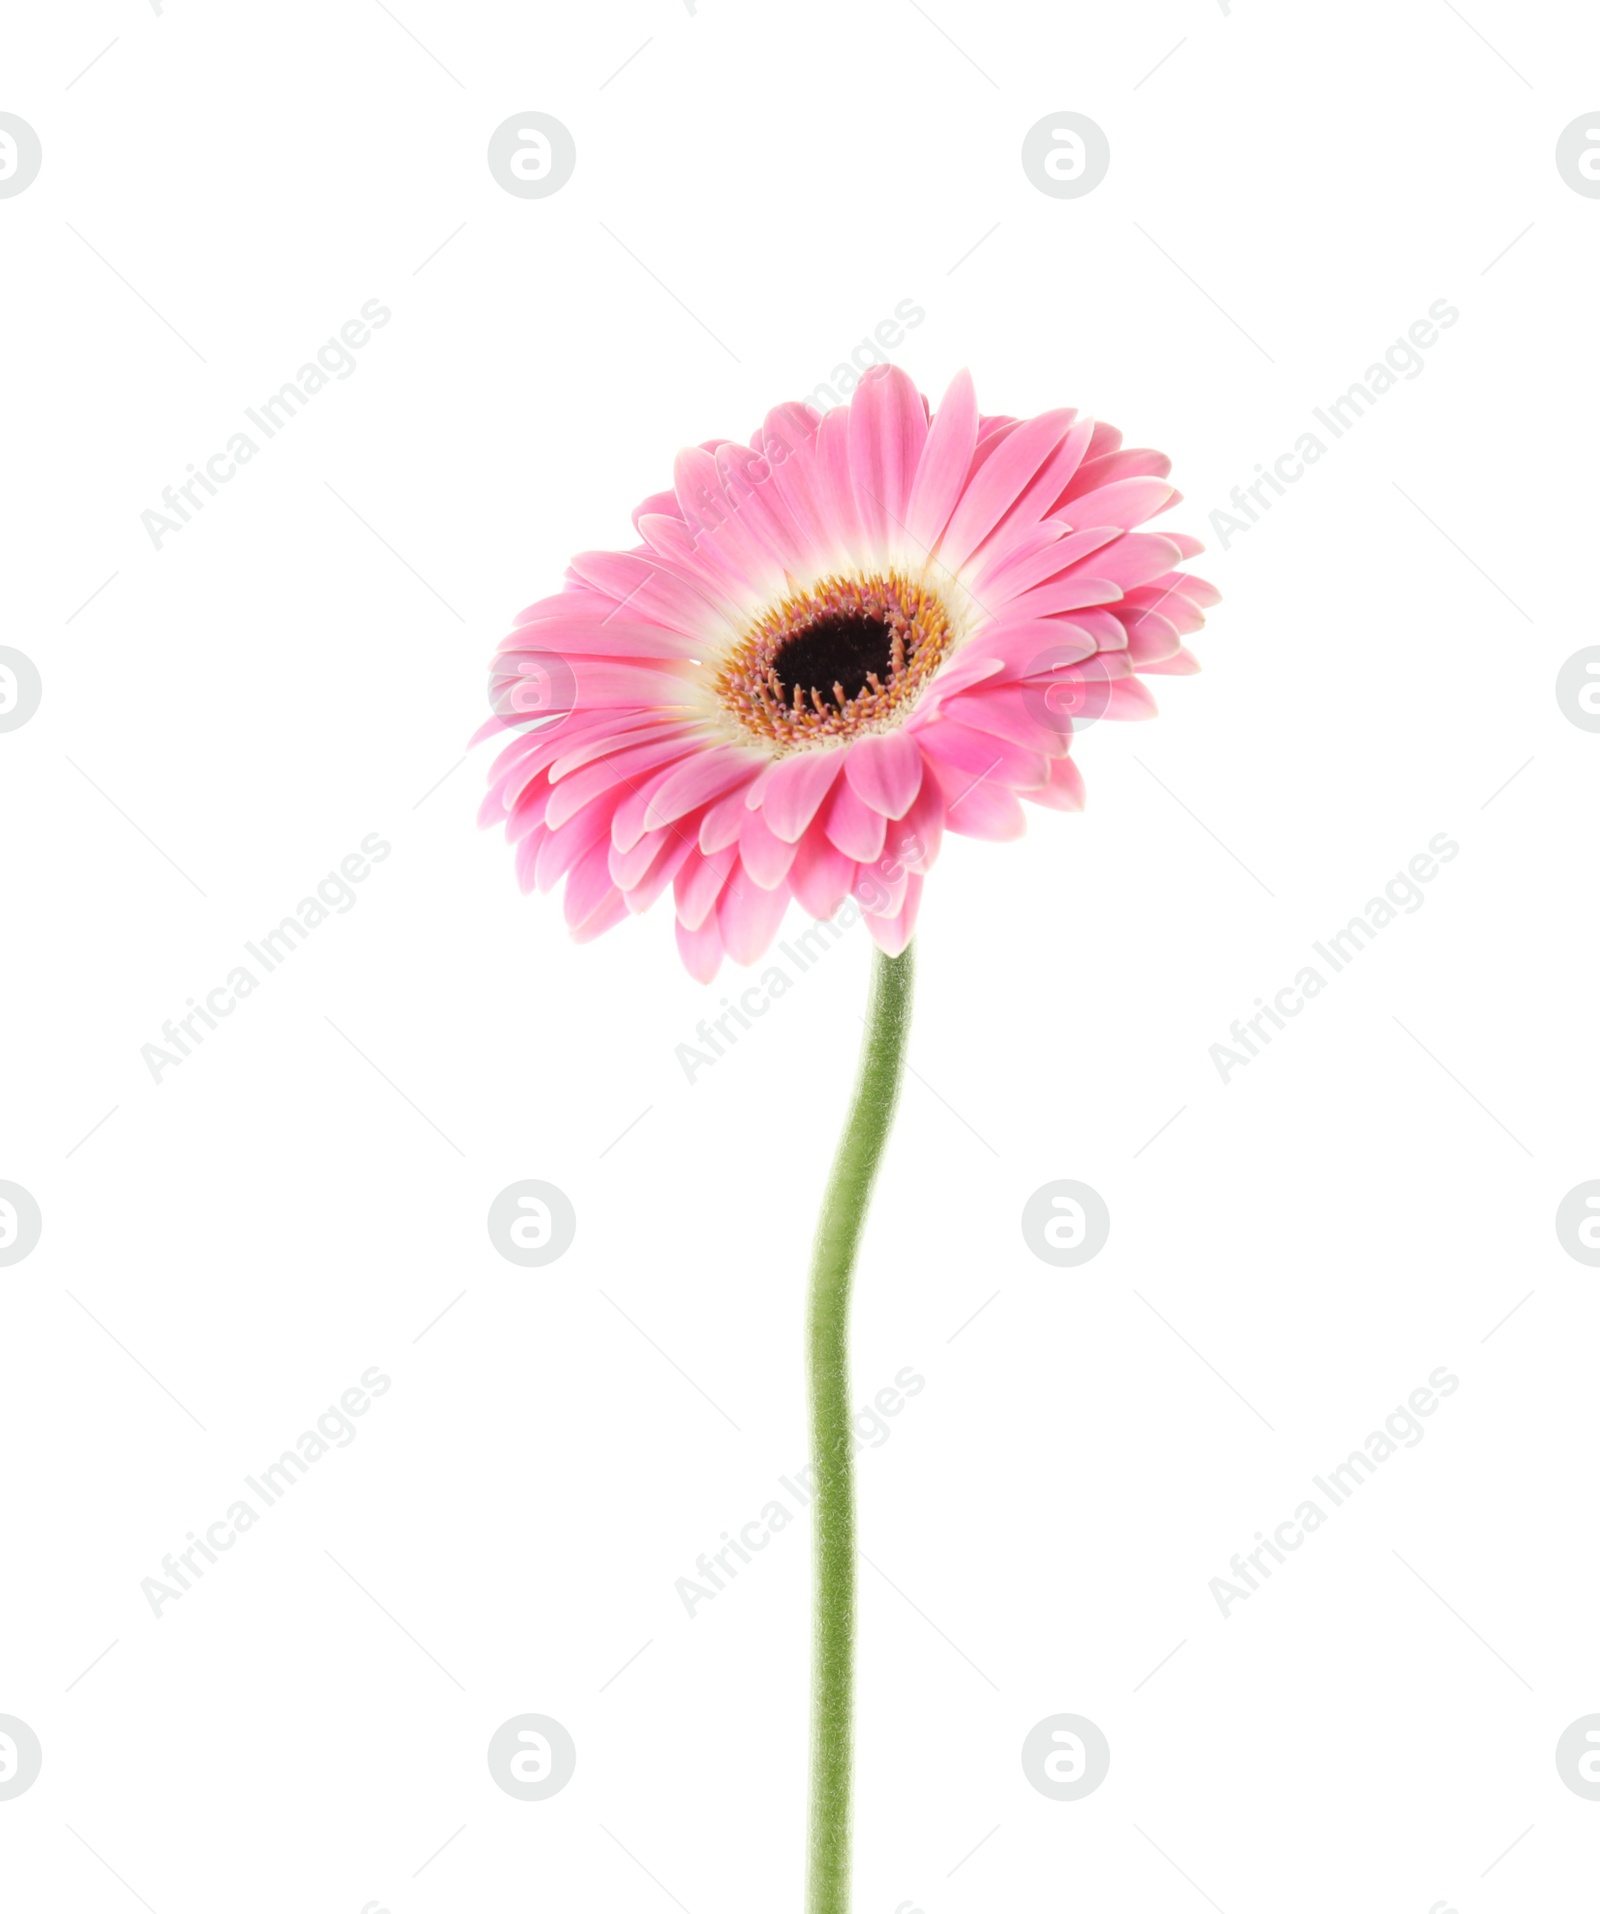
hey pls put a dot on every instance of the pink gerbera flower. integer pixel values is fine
(834, 644)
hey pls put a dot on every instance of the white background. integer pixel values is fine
(302, 1197)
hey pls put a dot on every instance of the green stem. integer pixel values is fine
(844, 1215)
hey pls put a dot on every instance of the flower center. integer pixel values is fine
(846, 656)
(835, 658)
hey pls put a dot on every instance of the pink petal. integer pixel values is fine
(765, 857)
(747, 481)
(946, 458)
(1152, 638)
(656, 504)
(1127, 503)
(551, 739)
(1008, 712)
(885, 771)
(1108, 467)
(1128, 698)
(648, 867)
(724, 820)
(699, 779)
(789, 443)
(1136, 558)
(622, 771)
(1106, 439)
(820, 877)
(574, 601)
(647, 591)
(973, 663)
(528, 859)
(494, 809)
(706, 562)
(880, 887)
(1098, 623)
(699, 883)
(892, 934)
(979, 808)
(790, 791)
(537, 676)
(612, 911)
(590, 889)
(701, 950)
(1103, 667)
(610, 632)
(1170, 606)
(1197, 590)
(915, 840)
(1063, 791)
(888, 429)
(632, 819)
(998, 483)
(601, 682)
(527, 813)
(833, 473)
(748, 918)
(561, 850)
(979, 754)
(1073, 696)
(1055, 476)
(854, 827)
(1182, 664)
(1033, 645)
(1031, 557)
(616, 735)
(721, 539)
(994, 428)
(1072, 591)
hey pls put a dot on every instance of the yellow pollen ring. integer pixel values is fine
(748, 685)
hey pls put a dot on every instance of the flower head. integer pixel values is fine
(834, 644)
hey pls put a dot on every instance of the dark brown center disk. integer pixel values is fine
(843, 648)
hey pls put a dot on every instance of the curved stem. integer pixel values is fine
(844, 1215)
